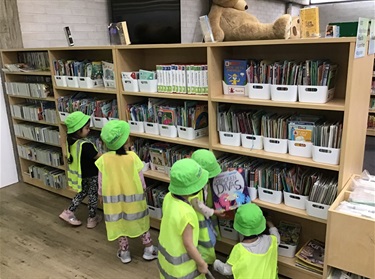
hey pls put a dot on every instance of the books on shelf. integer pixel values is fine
(309, 22)
(39, 133)
(35, 111)
(49, 176)
(311, 256)
(36, 90)
(123, 32)
(40, 153)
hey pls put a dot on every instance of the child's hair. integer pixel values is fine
(71, 139)
(121, 151)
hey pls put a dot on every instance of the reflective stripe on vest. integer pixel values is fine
(174, 260)
(125, 216)
(191, 275)
(202, 224)
(205, 244)
(123, 198)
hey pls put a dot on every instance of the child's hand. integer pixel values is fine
(203, 268)
(269, 224)
(219, 213)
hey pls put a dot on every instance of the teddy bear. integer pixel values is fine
(230, 22)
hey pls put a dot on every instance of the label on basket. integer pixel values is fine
(236, 90)
(229, 190)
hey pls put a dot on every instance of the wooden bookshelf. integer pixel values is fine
(31, 73)
(36, 121)
(371, 132)
(38, 162)
(50, 99)
(347, 105)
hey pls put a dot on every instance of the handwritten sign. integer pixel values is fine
(360, 45)
(371, 47)
(230, 190)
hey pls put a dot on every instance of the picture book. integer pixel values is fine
(235, 72)
(230, 190)
(309, 22)
(123, 33)
(289, 233)
(312, 253)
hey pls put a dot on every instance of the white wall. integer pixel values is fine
(342, 12)
(42, 22)
(8, 170)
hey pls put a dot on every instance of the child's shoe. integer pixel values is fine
(124, 256)
(68, 216)
(150, 253)
(93, 222)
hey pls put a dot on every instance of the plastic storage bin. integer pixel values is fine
(151, 128)
(300, 148)
(317, 209)
(253, 192)
(236, 89)
(275, 145)
(61, 81)
(63, 115)
(150, 86)
(326, 155)
(72, 82)
(109, 83)
(228, 138)
(136, 126)
(154, 212)
(315, 94)
(229, 233)
(130, 85)
(260, 91)
(252, 141)
(271, 196)
(191, 134)
(284, 93)
(99, 122)
(88, 82)
(286, 250)
(294, 200)
(168, 131)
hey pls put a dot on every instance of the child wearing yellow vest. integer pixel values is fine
(256, 255)
(82, 172)
(203, 203)
(124, 201)
(179, 230)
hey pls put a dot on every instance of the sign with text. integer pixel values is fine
(360, 45)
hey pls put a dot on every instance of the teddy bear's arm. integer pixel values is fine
(214, 17)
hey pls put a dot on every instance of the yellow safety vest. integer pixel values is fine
(249, 265)
(205, 246)
(74, 169)
(173, 260)
(124, 202)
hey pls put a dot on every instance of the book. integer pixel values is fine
(311, 255)
(309, 22)
(235, 72)
(123, 33)
(206, 29)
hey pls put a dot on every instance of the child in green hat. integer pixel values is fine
(203, 203)
(82, 172)
(256, 255)
(124, 201)
(179, 230)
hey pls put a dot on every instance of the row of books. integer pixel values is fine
(328, 134)
(311, 256)
(28, 62)
(39, 133)
(324, 190)
(40, 153)
(371, 121)
(340, 274)
(183, 78)
(155, 193)
(309, 72)
(35, 111)
(94, 137)
(49, 176)
(188, 114)
(88, 105)
(93, 69)
(36, 90)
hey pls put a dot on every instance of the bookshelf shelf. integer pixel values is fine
(49, 99)
(97, 90)
(199, 142)
(38, 162)
(38, 183)
(23, 138)
(157, 176)
(32, 73)
(167, 96)
(274, 156)
(371, 132)
(333, 105)
(36, 121)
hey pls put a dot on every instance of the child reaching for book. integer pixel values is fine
(256, 255)
(179, 229)
(82, 172)
(124, 202)
(203, 203)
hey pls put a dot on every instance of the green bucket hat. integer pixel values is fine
(249, 220)
(76, 121)
(187, 177)
(208, 161)
(115, 133)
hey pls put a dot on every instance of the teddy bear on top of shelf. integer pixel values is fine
(230, 22)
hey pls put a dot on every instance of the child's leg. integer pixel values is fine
(150, 252)
(123, 243)
(94, 218)
(123, 252)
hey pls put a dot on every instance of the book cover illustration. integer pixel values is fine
(230, 190)
(289, 233)
(235, 72)
(312, 253)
